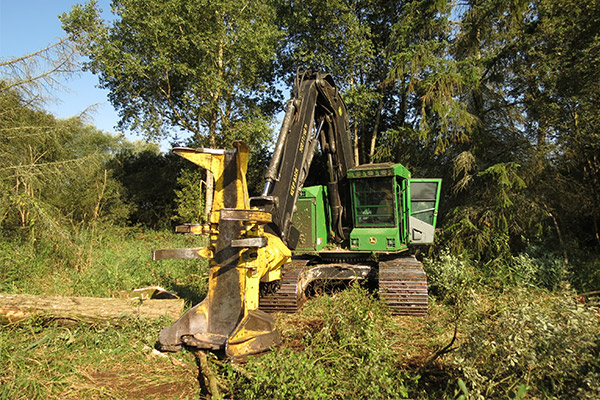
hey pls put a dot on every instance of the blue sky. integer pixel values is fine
(30, 25)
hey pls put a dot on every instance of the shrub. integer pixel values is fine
(544, 270)
(349, 355)
(450, 277)
(190, 198)
(585, 272)
(547, 342)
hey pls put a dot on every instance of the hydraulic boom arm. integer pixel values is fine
(315, 114)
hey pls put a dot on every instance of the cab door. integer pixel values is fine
(424, 198)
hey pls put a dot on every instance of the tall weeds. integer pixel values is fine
(347, 352)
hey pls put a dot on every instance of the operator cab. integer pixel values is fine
(391, 210)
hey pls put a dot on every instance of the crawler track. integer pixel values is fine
(289, 297)
(403, 286)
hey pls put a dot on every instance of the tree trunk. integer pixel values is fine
(15, 307)
(559, 234)
(210, 179)
(355, 144)
(402, 117)
(212, 130)
(205, 372)
(355, 138)
(376, 129)
(210, 190)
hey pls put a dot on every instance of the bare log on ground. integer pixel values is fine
(14, 307)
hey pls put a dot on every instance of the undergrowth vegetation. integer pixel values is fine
(346, 350)
(100, 263)
(45, 360)
(547, 342)
(522, 328)
(516, 329)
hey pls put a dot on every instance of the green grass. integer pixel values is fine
(44, 360)
(102, 265)
(83, 361)
(513, 339)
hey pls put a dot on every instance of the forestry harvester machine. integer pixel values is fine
(264, 251)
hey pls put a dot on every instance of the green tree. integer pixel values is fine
(560, 95)
(149, 179)
(391, 60)
(197, 66)
(429, 113)
(531, 157)
(178, 65)
(53, 173)
(350, 40)
(491, 210)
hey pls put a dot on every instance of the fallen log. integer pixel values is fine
(15, 307)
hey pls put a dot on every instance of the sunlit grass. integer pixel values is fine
(45, 360)
(102, 265)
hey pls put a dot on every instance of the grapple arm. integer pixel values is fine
(241, 254)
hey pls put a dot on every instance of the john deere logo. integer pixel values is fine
(372, 240)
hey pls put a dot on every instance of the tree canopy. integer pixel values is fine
(176, 65)
(499, 98)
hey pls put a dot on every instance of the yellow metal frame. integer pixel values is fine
(255, 264)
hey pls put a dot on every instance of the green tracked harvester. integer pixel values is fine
(264, 251)
(390, 212)
(360, 223)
